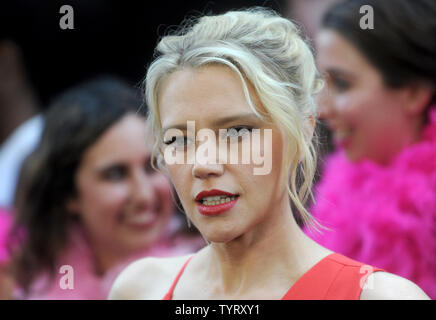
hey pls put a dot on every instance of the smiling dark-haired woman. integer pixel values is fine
(378, 192)
(88, 199)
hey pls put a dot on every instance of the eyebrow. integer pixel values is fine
(218, 122)
(101, 167)
(338, 72)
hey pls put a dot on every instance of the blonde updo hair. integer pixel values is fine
(268, 51)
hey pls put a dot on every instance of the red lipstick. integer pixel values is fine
(210, 210)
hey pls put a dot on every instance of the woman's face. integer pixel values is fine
(368, 119)
(123, 203)
(213, 97)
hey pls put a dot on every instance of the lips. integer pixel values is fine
(341, 134)
(342, 138)
(213, 192)
(216, 207)
(142, 220)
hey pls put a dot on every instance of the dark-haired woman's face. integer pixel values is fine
(368, 119)
(123, 203)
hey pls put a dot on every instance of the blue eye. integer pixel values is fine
(238, 131)
(178, 142)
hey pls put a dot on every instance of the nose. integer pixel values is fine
(204, 171)
(143, 191)
(205, 167)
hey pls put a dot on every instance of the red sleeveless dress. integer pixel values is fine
(335, 277)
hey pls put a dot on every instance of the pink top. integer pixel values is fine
(335, 277)
(5, 225)
(87, 284)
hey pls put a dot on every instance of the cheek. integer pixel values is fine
(277, 172)
(272, 150)
(350, 107)
(179, 175)
(162, 187)
(100, 201)
(362, 106)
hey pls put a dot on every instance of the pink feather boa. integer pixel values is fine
(384, 216)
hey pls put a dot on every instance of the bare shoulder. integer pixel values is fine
(147, 278)
(387, 286)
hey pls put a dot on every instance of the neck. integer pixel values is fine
(275, 250)
(410, 133)
(105, 259)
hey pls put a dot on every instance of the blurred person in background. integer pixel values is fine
(308, 14)
(20, 123)
(6, 279)
(88, 198)
(20, 130)
(378, 190)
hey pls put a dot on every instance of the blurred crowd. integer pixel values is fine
(77, 186)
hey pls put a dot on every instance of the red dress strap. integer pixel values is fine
(169, 294)
(335, 277)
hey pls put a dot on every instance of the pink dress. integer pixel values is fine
(5, 225)
(86, 284)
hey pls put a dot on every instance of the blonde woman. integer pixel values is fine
(232, 74)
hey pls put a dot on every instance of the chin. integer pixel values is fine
(220, 235)
(137, 241)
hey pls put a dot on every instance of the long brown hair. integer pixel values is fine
(400, 46)
(73, 122)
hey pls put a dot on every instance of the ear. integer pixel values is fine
(312, 121)
(418, 96)
(310, 127)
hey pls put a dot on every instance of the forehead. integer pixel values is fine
(125, 139)
(334, 50)
(202, 94)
